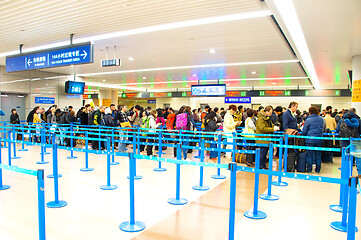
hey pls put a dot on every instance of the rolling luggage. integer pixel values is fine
(68, 142)
(240, 158)
(301, 161)
(326, 157)
(291, 160)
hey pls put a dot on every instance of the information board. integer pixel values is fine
(237, 100)
(152, 101)
(55, 57)
(209, 90)
(44, 100)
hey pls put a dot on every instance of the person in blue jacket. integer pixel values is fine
(314, 126)
(289, 117)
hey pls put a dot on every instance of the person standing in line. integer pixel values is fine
(14, 117)
(195, 115)
(330, 121)
(229, 127)
(289, 117)
(98, 116)
(314, 126)
(51, 116)
(264, 125)
(152, 126)
(210, 128)
(122, 119)
(135, 118)
(250, 128)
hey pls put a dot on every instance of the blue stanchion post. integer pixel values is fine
(14, 144)
(87, 168)
(41, 204)
(199, 144)
(219, 146)
(255, 213)
(279, 182)
(108, 186)
(2, 187)
(344, 175)
(351, 226)
(23, 149)
(42, 146)
(269, 196)
(99, 142)
(56, 203)
(160, 168)
(232, 200)
(9, 148)
(113, 155)
(234, 143)
(53, 141)
(71, 142)
(200, 187)
(5, 143)
(177, 200)
(135, 140)
(43, 134)
(132, 225)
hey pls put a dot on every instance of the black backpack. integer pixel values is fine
(63, 118)
(347, 131)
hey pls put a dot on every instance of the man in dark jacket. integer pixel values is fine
(289, 117)
(98, 116)
(351, 114)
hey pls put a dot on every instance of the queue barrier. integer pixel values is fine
(234, 168)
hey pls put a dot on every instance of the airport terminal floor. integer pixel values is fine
(180, 119)
(93, 213)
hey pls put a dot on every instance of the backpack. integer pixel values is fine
(91, 118)
(347, 131)
(182, 121)
(145, 122)
(63, 119)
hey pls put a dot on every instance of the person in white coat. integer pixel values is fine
(229, 126)
(152, 126)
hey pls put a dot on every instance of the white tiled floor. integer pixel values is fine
(91, 213)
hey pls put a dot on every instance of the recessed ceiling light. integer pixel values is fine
(104, 80)
(212, 50)
(274, 83)
(253, 72)
(144, 78)
(194, 75)
(130, 58)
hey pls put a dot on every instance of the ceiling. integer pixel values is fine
(247, 51)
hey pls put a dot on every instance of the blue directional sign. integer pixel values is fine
(209, 90)
(152, 101)
(45, 100)
(237, 100)
(56, 57)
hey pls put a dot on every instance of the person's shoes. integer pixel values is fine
(359, 176)
(265, 168)
(249, 164)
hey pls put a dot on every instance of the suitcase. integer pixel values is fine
(68, 142)
(240, 158)
(326, 157)
(301, 161)
(291, 160)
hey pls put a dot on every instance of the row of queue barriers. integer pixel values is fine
(179, 140)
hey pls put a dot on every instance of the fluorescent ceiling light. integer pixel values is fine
(130, 58)
(212, 50)
(289, 16)
(155, 28)
(114, 87)
(188, 67)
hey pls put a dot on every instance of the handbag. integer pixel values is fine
(125, 124)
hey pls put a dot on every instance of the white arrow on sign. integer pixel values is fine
(84, 54)
(29, 62)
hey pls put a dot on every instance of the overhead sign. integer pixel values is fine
(152, 101)
(45, 100)
(72, 87)
(90, 96)
(106, 102)
(209, 90)
(237, 100)
(111, 62)
(55, 57)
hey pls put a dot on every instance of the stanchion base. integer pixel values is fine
(86, 169)
(72, 157)
(218, 176)
(280, 184)
(15, 157)
(175, 201)
(114, 163)
(201, 188)
(46, 153)
(4, 187)
(42, 162)
(136, 177)
(128, 227)
(59, 204)
(336, 208)
(338, 226)
(269, 197)
(52, 176)
(197, 157)
(160, 169)
(23, 150)
(259, 215)
(110, 187)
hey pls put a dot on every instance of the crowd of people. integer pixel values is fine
(264, 120)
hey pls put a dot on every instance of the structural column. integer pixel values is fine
(356, 83)
(108, 97)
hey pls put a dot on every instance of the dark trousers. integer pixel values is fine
(263, 157)
(150, 147)
(142, 146)
(250, 158)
